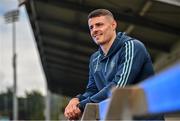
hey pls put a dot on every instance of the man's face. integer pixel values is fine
(101, 29)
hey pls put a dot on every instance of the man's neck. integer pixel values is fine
(105, 47)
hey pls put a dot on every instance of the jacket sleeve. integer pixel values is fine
(134, 55)
(91, 88)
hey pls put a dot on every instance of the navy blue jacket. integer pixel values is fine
(127, 62)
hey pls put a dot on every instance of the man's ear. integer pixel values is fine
(114, 25)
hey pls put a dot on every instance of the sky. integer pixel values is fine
(30, 75)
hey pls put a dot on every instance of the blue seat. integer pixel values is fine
(103, 107)
(162, 91)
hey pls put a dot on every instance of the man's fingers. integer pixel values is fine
(76, 110)
(70, 113)
(67, 112)
(70, 110)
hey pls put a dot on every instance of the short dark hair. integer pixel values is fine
(100, 12)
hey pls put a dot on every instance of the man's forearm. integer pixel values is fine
(98, 97)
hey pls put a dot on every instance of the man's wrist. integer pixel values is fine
(80, 97)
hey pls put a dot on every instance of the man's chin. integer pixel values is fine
(100, 43)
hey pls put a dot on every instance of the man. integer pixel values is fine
(120, 61)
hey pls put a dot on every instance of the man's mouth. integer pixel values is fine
(97, 35)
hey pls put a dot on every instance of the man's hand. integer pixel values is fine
(72, 112)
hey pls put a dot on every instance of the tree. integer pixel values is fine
(35, 105)
(6, 103)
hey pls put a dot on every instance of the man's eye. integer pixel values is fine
(99, 24)
(90, 27)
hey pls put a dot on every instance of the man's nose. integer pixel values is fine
(95, 30)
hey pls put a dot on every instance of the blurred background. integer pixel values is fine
(45, 48)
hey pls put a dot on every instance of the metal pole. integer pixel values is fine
(15, 100)
(12, 17)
